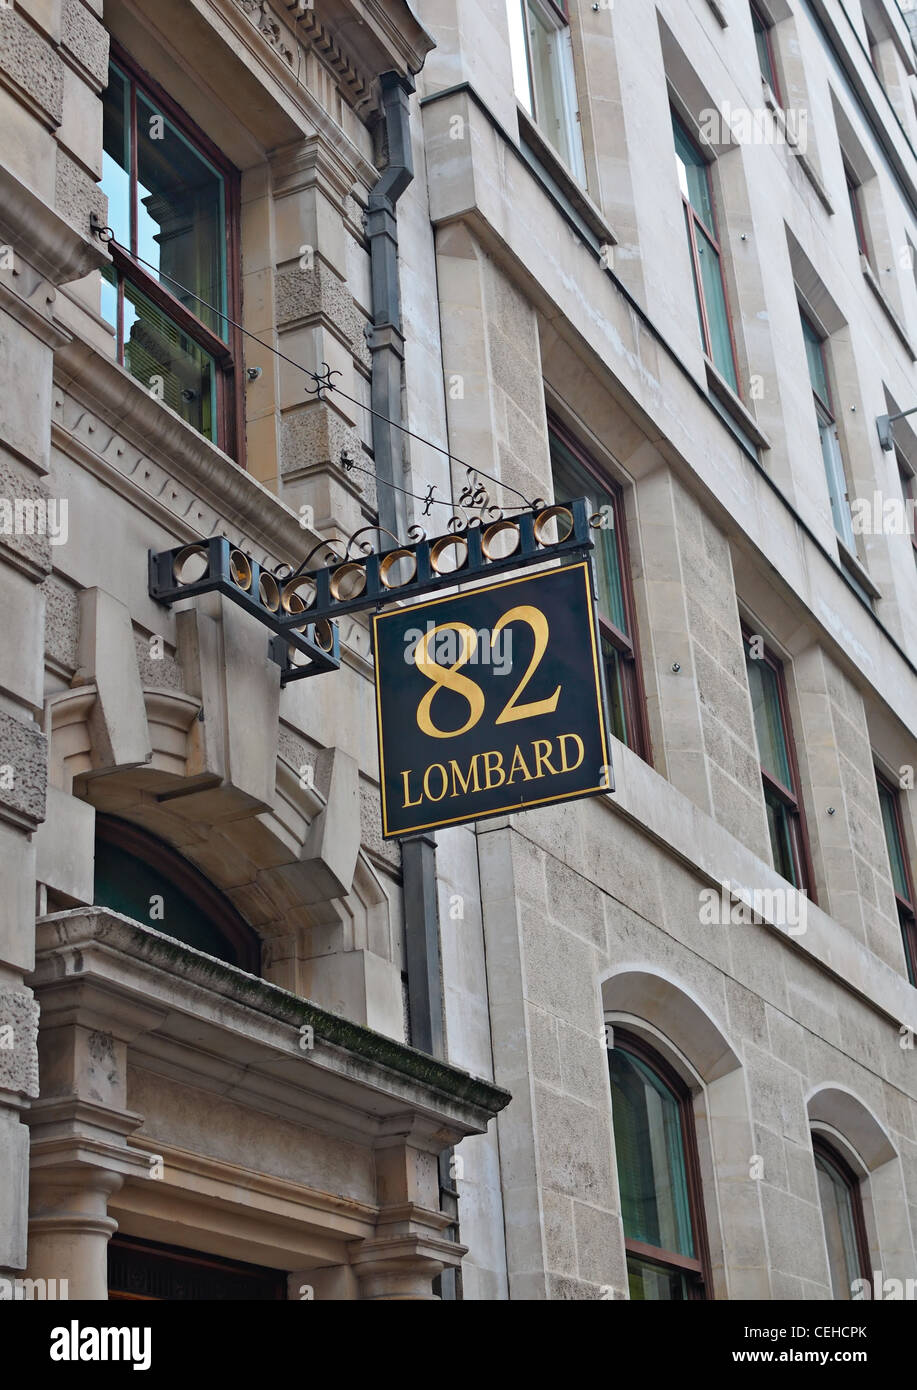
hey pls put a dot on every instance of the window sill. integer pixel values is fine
(856, 571)
(869, 275)
(724, 393)
(551, 164)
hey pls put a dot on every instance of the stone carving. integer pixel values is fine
(74, 419)
(261, 15)
(355, 86)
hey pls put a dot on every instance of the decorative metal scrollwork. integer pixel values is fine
(322, 382)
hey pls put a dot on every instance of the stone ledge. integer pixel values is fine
(250, 1020)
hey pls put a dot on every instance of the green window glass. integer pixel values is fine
(169, 362)
(572, 479)
(765, 703)
(835, 473)
(543, 76)
(765, 54)
(781, 794)
(166, 293)
(839, 1196)
(815, 358)
(706, 261)
(662, 1256)
(900, 872)
(141, 878)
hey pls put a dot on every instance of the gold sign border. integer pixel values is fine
(583, 565)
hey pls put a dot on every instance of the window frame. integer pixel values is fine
(760, 23)
(635, 714)
(698, 1270)
(692, 221)
(228, 353)
(557, 13)
(907, 908)
(790, 797)
(854, 197)
(827, 420)
(909, 493)
(823, 1148)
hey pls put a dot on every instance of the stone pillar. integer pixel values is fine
(50, 54)
(69, 1228)
(409, 1248)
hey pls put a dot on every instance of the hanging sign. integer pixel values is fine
(490, 701)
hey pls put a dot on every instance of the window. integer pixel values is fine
(842, 1214)
(854, 196)
(147, 1271)
(830, 444)
(765, 50)
(542, 55)
(909, 494)
(890, 805)
(575, 475)
(703, 242)
(779, 773)
(172, 203)
(658, 1175)
(142, 878)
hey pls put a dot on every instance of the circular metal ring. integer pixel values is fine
(240, 569)
(190, 564)
(454, 548)
(269, 592)
(323, 635)
(500, 550)
(397, 568)
(299, 594)
(297, 656)
(563, 519)
(348, 581)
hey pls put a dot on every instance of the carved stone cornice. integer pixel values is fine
(355, 42)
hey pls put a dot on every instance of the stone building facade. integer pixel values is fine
(658, 1043)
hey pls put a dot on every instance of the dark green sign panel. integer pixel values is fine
(490, 701)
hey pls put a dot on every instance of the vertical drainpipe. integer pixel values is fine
(386, 342)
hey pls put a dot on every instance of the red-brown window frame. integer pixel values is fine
(228, 354)
(907, 907)
(791, 797)
(713, 236)
(829, 1153)
(698, 1270)
(635, 717)
(766, 27)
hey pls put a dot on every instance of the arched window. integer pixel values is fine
(658, 1175)
(141, 877)
(842, 1214)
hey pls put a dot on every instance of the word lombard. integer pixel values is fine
(491, 766)
(74, 1343)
